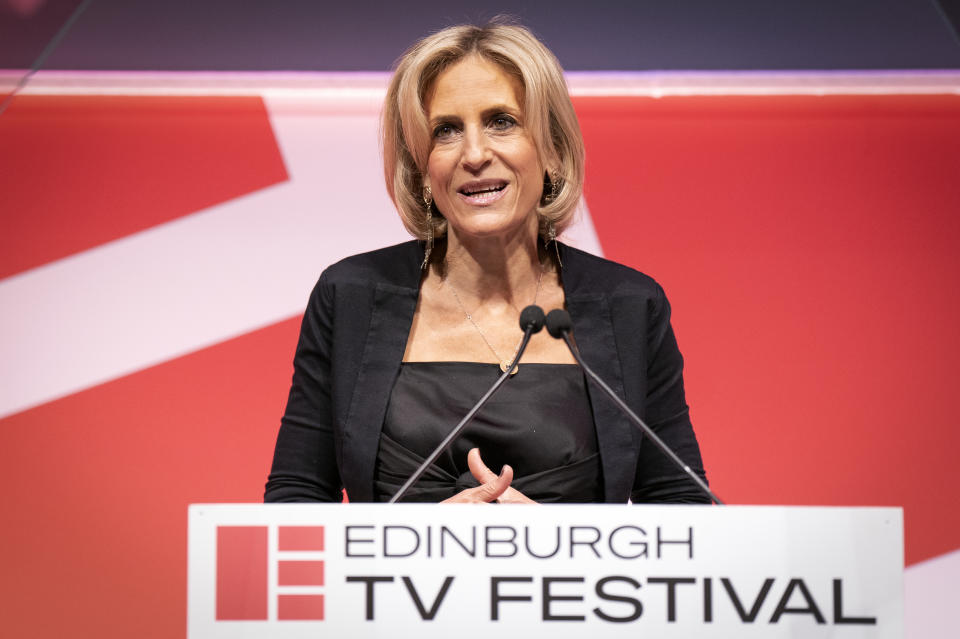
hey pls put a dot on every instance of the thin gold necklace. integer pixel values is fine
(505, 364)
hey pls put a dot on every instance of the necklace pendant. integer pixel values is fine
(505, 366)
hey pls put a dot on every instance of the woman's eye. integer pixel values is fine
(443, 131)
(502, 122)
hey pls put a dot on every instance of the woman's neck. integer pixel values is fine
(491, 270)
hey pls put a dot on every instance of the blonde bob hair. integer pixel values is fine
(548, 116)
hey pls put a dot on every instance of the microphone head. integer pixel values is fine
(558, 322)
(531, 318)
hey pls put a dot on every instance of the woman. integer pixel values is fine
(483, 158)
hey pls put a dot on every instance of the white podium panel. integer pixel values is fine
(282, 571)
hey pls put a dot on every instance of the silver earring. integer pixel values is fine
(428, 202)
(554, 187)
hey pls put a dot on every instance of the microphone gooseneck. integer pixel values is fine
(559, 325)
(531, 321)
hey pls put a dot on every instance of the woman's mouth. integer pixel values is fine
(481, 193)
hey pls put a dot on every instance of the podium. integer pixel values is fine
(279, 571)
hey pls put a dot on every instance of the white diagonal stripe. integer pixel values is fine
(200, 279)
(196, 281)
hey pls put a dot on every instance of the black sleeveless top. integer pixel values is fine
(539, 422)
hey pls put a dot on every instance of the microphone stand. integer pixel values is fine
(559, 326)
(531, 324)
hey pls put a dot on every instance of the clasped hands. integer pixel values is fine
(492, 487)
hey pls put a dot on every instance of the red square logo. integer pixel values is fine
(248, 573)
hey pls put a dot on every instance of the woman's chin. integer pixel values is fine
(492, 225)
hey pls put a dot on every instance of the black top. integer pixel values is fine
(539, 422)
(354, 335)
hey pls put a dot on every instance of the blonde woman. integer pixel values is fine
(484, 160)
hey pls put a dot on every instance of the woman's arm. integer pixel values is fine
(666, 412)
(304, 460)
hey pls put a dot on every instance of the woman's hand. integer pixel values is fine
(492, 487)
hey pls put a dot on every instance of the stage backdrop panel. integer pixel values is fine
(807, 244)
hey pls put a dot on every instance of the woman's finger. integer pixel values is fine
(478, 469)
(488, 478)
(497, 485)
(491, 487)
(479, 495)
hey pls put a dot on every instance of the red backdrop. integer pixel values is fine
(808, 245)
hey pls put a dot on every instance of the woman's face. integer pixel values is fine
(483, 168)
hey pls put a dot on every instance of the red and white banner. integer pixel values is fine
(159, 235)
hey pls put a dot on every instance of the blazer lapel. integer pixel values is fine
(392, 310)
(592, 316)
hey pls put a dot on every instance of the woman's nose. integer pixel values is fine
(476, 150)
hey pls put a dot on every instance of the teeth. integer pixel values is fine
(491, 189)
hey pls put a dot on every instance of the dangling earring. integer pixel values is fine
(551, 231)
(428, 202)
(552, 237)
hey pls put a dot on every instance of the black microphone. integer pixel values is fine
(559, 325)
(531, 321)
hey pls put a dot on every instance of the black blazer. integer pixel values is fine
(352, 341)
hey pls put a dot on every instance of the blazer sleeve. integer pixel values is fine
(657, 479)
(305, 460)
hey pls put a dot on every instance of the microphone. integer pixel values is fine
(531, 321)
(559, 325)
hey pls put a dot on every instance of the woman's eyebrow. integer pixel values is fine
(486, 113)
(444, 119)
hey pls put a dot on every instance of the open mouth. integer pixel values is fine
(484, 189)
(482, 192)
